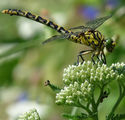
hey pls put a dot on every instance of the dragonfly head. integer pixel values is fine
(110, 44)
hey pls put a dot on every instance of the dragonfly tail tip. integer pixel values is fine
(4, 11)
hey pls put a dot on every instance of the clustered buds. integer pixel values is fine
(119, 68)
(31, 115)
(81, 80)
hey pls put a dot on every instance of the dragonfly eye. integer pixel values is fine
(110, 44)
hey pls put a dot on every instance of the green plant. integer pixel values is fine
(80, 83)
(30, 115)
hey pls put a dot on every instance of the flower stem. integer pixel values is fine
(122, 94)
(122, 116)
(94, 108)
(74, 110)
(101, 92)
(85, 108)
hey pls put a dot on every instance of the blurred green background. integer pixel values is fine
(25, 64)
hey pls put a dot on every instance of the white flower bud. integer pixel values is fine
(81, 80)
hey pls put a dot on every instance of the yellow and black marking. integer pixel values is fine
(91, 38)
(88, 36)
(36, 18)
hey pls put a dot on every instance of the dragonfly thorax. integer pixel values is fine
(92, 38)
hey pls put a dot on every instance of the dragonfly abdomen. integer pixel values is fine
(36, 18)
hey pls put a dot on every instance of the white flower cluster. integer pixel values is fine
(31, 115)
(80, 81)
(74, 92)
(119, 68)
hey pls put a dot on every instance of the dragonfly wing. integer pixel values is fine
(92, 25)
(83, 28)
(78, 27)
(97, 22)
(55, 37)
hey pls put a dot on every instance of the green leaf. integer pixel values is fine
(21, 46)
(75, 117)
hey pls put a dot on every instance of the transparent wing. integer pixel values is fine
(97, 22)
(83, 28)
(55, 37)
(78, 27)
(92, 25)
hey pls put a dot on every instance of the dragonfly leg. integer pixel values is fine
(92, 57)
(81, 53)
(81, 58)
(98, 58)
(103, 58)
(98, 55)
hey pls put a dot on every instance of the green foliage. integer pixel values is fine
(47, 62)
(81, 81)
(53, 87)
(6, 71)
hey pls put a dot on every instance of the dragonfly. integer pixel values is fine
(86, 34)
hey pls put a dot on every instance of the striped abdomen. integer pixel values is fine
(36, 18)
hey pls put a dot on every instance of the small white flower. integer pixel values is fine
(81, 80)
(31, 115)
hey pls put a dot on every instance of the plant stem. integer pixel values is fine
(122, 116)
(94, 108)
(101, 92)
(85, 108)
(95, 116)
(74, 110)
(122, 94)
